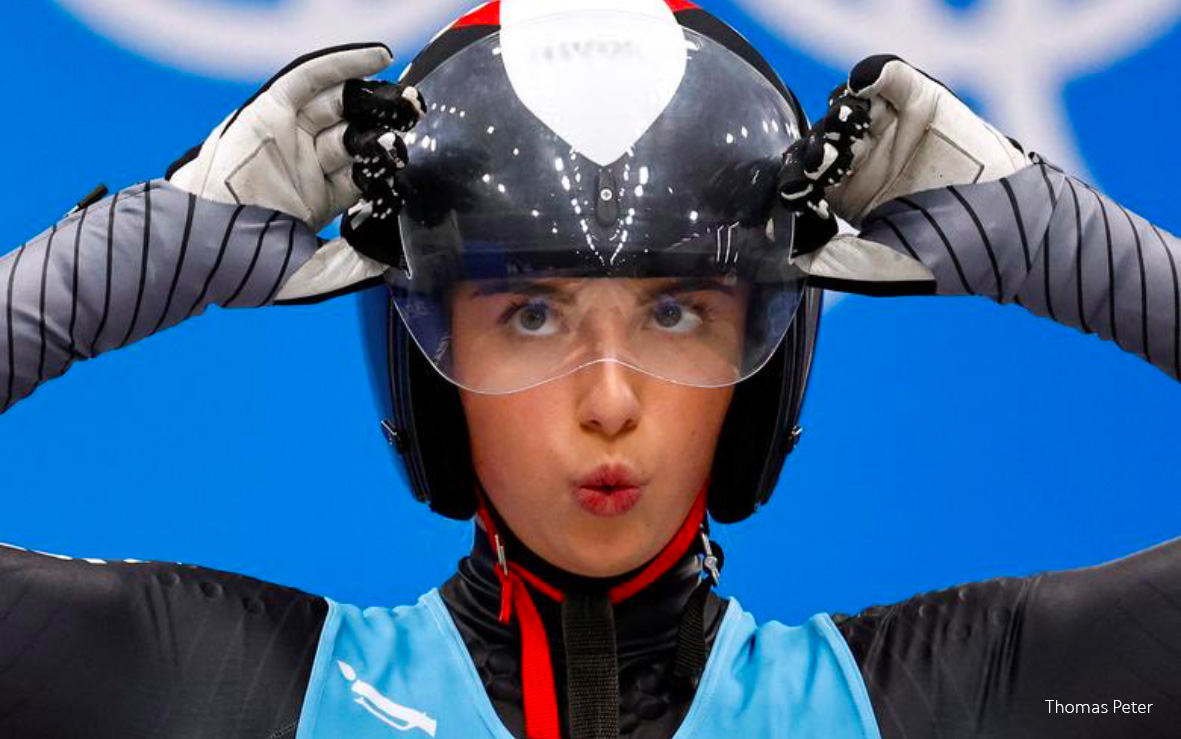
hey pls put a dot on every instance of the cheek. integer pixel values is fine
(509, 434)
(689, 421)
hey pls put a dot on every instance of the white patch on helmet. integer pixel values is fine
(597, 72)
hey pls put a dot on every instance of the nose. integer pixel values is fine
(609, 402)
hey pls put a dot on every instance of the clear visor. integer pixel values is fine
(512, 334)
(528, 258)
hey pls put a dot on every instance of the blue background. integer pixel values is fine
(947, 439)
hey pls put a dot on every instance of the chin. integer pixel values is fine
(606, 547)
(606, 556)
(600, 568)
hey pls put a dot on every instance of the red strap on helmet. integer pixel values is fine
(537, 676)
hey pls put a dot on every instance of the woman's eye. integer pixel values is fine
(674, 317)
(534, 319)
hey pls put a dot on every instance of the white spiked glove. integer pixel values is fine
(890, 132)
(310, 143)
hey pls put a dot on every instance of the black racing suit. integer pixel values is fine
(130, 650)
(158, 650)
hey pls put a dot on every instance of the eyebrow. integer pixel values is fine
(521, 286)
(691, 285)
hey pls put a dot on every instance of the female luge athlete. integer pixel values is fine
(601, 273)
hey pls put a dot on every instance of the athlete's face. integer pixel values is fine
(536, 452)
(594, 471)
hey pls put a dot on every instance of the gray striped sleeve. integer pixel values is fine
(137, 262)
(1054, 244)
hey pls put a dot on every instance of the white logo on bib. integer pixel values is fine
(394, 715)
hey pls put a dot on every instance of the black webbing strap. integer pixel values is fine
(692, 651)
(592, 666)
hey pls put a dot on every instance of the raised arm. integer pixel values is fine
(142, 260)
(233, 224)
(1053, 244)
(133, 650)
(947, 204)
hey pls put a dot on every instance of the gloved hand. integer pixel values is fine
(310, 143)
(890, 132)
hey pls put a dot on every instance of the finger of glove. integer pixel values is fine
(897, 83)
(342, 190)
(336, 268)
(379, 144)
(894, 80)
(381, 193)
(867, 73)
(385, 202)
(330, 148)
(846, 122)
(385, 104)
(902, 101)
(372, 231)
(847, 115)
(378, 155)
(324, 110)
(793, 183)
(825, 157)
(802, 179)
(804, 163)
(839, 91)
(853, 264)
(314, 73)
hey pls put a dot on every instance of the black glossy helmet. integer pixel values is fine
(595, 180)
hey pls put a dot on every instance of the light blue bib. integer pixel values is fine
(382, 673)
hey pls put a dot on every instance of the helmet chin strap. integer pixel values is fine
(589, 631)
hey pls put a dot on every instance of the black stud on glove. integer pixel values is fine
(378, 155)
(824, 157)
(379, 113)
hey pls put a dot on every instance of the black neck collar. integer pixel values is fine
(646, 627)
